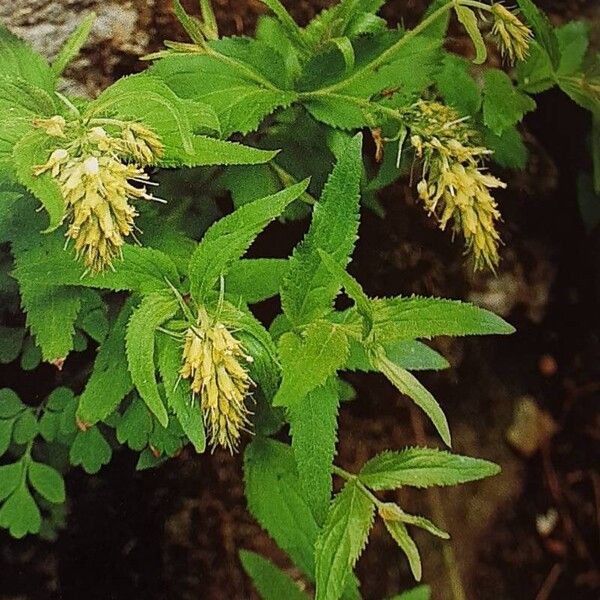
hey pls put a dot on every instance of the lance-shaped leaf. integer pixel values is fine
(469, 21)
(309, 289)
(400, 534)
(230, 237)
(73, 45)
(271, 582)
(313, 427)
(341, 541)
(408, 384)
(153, 311)
(423, 467)
(308, 360)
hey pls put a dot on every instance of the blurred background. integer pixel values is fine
(529, 401)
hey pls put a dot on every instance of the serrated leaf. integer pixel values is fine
(573, 41)
(19, 60)
(308, 360)
(457, 87)
(308, 289)
(469, 21)
(153, 311)
(542, 29)
(271, 582)
(10, 404)
(509, 149)
(256, 279)
(109, 381)
(400, 534)
(135, 425)
(417, 317)
(229, 238)
(293, 31)
(10, 478)
(90, 450)
(426, 524)
(73, 45)
(32, 150)
(341, 541)
(423, 467)
(503, 104)
(25, 427)
(20, 514)
(178, 392)
(276, 500)
(313, 427)
(47, 481)
(408, 384)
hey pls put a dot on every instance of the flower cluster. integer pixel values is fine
(96, 172)
(212, 362)
(511, 35)
(453, 186)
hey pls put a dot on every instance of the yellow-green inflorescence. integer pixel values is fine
(453, 185)
(510, 34)
(99, 173)
(215, 363)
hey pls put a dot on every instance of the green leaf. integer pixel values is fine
(503, 104)
(109, 381)
(192, 25)
(309, 289)
(341, 541)
(573, 41)
(276, 500)
(309, 360)
(25, 428)
(10, 404)
(415, 317)
(313, 427)
(535, 74)
(544, 33)
(135, 426)
(469, 21)
(457, 87)
(229, 238)
(20, 514)
(421, 592)
(426, 524)
(73, 45)
(509, 149)
(179, 395)
(153, 311)
(408, 384)
(19, 60)
(423, 467)
(47, 481)
(271, 582)
(10, 478)
(400, 534)
(34, 149)
(90, 450)
(6, 428)
(255, 279)
(293, 31)
(583, 89)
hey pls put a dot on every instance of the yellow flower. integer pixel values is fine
(211, 361)
(96, 172)
(511, 35)
(453, 186)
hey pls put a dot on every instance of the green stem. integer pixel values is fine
(361, 486)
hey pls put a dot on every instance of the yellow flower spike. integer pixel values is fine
(512, 36)
(212, 363)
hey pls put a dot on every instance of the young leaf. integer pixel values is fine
(341, 541)
(20, 514)
(276, 500)
(408, 384)
(271, 582)
(400, 534)
(73, 45)
(469, 21)
(229, 238)
(423, 467)
(90, 450)
(179, 395)
(47, 481)
(153, 311)
(309, 289)
(109, 381)
(503, 104)
(313, 427)
(416, 317)
(308, 360)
